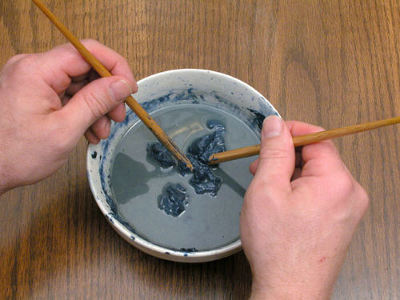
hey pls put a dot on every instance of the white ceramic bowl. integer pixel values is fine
(215, 88)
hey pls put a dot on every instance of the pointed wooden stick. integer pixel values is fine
(130, 101)
(302, 140)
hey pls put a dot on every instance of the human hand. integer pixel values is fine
(48, 101)
(296, 223)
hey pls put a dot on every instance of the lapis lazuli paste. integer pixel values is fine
(206, 146)
(203, 179)
(173, 199)
(160, 154)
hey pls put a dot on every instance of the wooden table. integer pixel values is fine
(331, 63)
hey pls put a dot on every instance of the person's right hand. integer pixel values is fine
(296, 223)
(48, 101)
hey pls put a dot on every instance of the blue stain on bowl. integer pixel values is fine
(258, 117)
(113, 216)
(110, 219)
(188, 250)
(253, 118)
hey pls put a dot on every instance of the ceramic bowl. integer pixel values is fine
(217, 89)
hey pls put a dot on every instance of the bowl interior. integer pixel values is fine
(161, 91)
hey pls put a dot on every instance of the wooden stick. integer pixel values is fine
(130, 101)
(302, 140)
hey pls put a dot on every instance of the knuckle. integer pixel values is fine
(22, 62)
(18, 67)
(345, 183)
(363, 198)
(273, 153)
(350, 187)
(90, 41)
(27, 62)
(16, 58)
(96, 103)
(28, 58)
(348, 184)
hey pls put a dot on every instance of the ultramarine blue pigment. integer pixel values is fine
(203, 179)
(173, 199)
(160, 154)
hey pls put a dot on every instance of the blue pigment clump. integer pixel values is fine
(203, 179)
(173, 199)
(160, 154)
(204, 147)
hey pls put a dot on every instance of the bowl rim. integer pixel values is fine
(136, 240)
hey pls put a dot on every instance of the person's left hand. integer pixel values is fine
(47, 102)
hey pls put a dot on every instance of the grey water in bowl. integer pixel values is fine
(208, 222)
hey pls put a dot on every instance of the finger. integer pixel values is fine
(300, 128)
(15, 59)
(118, 113)
(101, 128)
(253, 167)
(276, 159)
(79, 82)
(91, 138)
(298, 164)
(58, 72)
(75, 87)
(94, 101)
(320, 158)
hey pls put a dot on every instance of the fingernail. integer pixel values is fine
(272, 126)
(120, 89)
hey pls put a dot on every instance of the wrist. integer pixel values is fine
(294, 288)
(285, 294)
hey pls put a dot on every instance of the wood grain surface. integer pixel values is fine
(331, 63)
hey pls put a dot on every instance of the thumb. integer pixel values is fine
(95, 100)
(277, 158)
